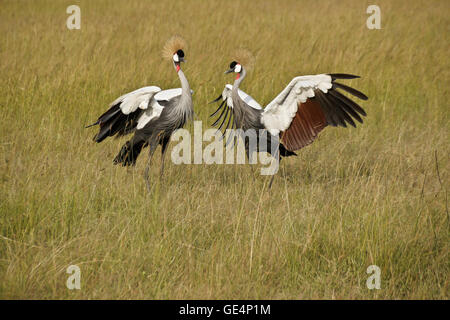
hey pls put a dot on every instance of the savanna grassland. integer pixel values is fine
(374, 195)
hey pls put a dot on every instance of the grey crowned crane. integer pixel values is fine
(296, 116)
(151, 113)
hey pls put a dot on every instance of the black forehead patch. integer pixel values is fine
(180, 53)
(233, 64)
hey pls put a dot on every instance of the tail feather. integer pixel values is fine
(111, 127)
(114, 121)
(285, 152)
(106, 121)
(129, 153)
(110, 113)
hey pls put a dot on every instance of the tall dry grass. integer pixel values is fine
(356, 197)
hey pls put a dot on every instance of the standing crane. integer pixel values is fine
(151, 113)
(295, 117)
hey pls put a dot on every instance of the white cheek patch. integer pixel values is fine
(238, 68)
(176, 58)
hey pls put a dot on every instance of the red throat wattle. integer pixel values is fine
(178, 67)
(237, 76)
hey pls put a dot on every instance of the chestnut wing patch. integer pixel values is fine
(308, 104)
(305, 126)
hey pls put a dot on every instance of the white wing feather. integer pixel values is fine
(139, 98)
(278, 114)
(169, 94)
(155, 109)
(226, 95)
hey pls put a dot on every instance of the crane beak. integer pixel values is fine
(229, 71)
(182, 60)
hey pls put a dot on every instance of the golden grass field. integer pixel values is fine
(374, 195)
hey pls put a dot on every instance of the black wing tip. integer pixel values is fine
(215, 100)
(218, 109)
(335, 76)
(350, 104)
(353, 91)
(97, 139)
(91, 125)
(350, 90)
(364, 97)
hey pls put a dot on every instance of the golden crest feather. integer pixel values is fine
(172, 45)
(244, 57)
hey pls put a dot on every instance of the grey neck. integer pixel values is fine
(237, 82)
(245, 117)
(234, 92)
(184, 108)
(185, 88)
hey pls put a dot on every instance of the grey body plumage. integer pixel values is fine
(248, 118)
(151, 114)
(177, 111)
(295, 117)
(244, 116)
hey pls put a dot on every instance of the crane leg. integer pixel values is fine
(164, 146)
(271, 180)
(147, 168)
(250, 158)
(273, 176)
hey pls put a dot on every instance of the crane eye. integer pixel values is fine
(233, 64)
